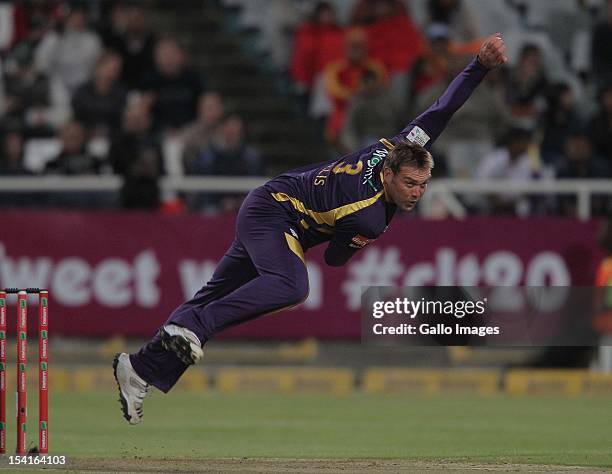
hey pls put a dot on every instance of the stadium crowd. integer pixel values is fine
(91, 88)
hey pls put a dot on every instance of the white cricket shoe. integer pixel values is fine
(183, 342)
(132, 389)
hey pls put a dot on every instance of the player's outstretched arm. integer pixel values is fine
(426, 128)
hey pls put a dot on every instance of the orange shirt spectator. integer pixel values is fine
(603, 319)
(343, 78)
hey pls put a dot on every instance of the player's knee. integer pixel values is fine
(296, 290)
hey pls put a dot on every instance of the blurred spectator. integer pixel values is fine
(559, 118)
(475, 128)
(580, 162)
(71, 52)
(344, 78)
(601, 124)
(34, 30)
(98, 104)
(457, 16)
(228, 155)
(579, 159)
(602, 322)
(364, 11)
(73, 158)
(197, 136)
(432, 67)
(394, 40)
(527, 86)
(601, 52)
(11, 154)
(14, 22)
(129, 34)
(173, 87)
(318, 41)
(140, 188)
(33, 100)
(136, 155)
(511, 162)
(134, 140)
(372, 114)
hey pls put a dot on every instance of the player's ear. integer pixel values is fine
(387, 174)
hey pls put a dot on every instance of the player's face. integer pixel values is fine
(407, 186)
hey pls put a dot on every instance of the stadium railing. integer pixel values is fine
(445, 189)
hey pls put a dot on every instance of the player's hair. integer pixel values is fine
(407, 153)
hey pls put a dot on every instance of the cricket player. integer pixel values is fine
(346, 203)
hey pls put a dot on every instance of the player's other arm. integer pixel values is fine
(433, 121)
(349, 237)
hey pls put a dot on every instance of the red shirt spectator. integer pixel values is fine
(318, 42)
(393, 38)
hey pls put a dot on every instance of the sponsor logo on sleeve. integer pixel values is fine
(377, 157)
(359, 242)
(417, 135)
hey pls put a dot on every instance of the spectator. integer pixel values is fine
(73, 158)
(559, 118)
(70, 53)
(98, 104)
(134, 139)
(140, 188)
(197, 137)
(318, 42)
(432, 68)
(580, 162)
(33, 100)
(601, 124)
(11, 155)
(344, 77)
(228, 154)
(13, 18)
(364, 11)
(475, 128)
(511, 162)
(389, 29)
(602, 321)
(129, 34)
(372, 114)
(457, 16)
(601, 53)
(528, 85)
(173, 87)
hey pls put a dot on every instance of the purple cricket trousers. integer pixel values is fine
(262, 271)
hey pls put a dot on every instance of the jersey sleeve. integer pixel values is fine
(428, 126)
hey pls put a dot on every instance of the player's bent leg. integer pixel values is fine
(263, 272)
(161, 366)
(132, 388)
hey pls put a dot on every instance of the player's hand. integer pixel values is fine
(493, 52)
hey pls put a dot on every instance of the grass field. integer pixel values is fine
(186, 431)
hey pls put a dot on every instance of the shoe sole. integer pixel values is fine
(177, 344)
(122, 400)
